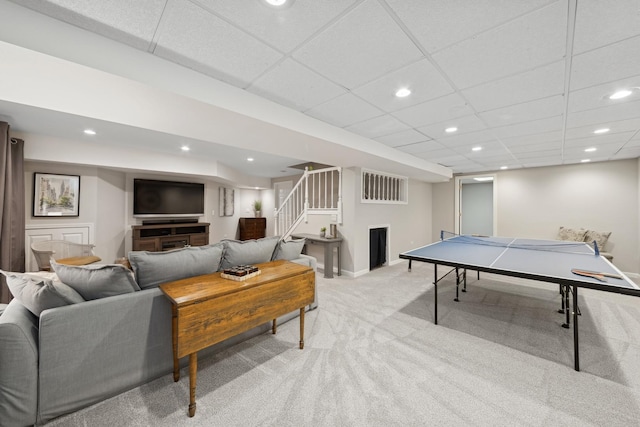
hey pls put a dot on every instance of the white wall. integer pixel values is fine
(409, 225)
(535, 202)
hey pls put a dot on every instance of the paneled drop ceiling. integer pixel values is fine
(526, 83)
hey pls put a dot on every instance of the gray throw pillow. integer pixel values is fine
(289, 250)
(38, 294)
(95, 281)
(248, 252)
(153, 268)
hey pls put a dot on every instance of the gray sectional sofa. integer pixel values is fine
(69, 343)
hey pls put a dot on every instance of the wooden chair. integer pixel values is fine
(63, 252)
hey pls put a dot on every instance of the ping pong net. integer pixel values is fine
(529, 244)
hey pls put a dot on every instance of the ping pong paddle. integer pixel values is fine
(595, 274)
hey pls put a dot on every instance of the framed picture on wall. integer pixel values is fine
(226, 201)
(56, 195)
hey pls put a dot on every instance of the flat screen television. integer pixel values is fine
(165, 199)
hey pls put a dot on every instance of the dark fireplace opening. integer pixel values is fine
(377, 247)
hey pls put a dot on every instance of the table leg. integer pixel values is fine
(273, 327)
(435, 293)
(576, 357)
(328, 261)
(409, 265)
(174, 339)
(566, 307)
(339, 263)
(561, 310)
(193, 368)
(301, 328)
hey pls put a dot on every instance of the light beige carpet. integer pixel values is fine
(373, 357)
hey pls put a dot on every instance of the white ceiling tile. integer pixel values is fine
(576, 137)
(527, 42)
(530, 128)
(533, 139)
(437, 24)
(541, 154)
(606, 64)
(606, 116)
(133, 23)
(615, 128)
(603, 151)
(599, 23)
(352, 58)
(530, 148)
(409, 136)
(541, 162)
(378, 126)
(542, 82)
(282, 28)
(598, 96)
(435, 111)
(533, 110)
(420, 147)
(294, 85)
(344, 110)
(194, 37)
(456, 140)
(464, 124)
(421, 77)
(627, 153)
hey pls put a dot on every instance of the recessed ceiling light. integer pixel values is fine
(403, 92)
(621, 94)
(476, 149)
(90, 131)
(585, 160)
(249, 159)
(276, 2)
(504, 167)
(451, 129)
(590, 149)
(184, 148)
(603, 130)
(483, 178)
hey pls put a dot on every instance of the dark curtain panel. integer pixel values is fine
(377, 247)
(12, 206)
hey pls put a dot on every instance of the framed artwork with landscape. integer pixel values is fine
(56, 195)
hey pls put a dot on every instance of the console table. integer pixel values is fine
(329, 243)
(208, 309)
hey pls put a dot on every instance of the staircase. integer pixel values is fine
(318, 192)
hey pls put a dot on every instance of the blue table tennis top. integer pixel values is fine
(547, 260)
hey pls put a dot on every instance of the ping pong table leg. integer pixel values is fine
(457, 284)
(435, 293)
(409, 265)
(576, 356)
(566, 307)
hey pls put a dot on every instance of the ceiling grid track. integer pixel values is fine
(571, 26)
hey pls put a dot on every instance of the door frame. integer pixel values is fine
(459, 180)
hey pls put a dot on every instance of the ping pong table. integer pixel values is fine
(550, 261)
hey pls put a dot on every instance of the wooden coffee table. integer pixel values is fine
(208, 309)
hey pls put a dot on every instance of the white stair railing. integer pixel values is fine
(317, 192)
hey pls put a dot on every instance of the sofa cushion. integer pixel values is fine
(248, 252)
(153, 268)
(38, 294)
(95, 281)
(571, 234)
(289, 250)
(600, 237)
